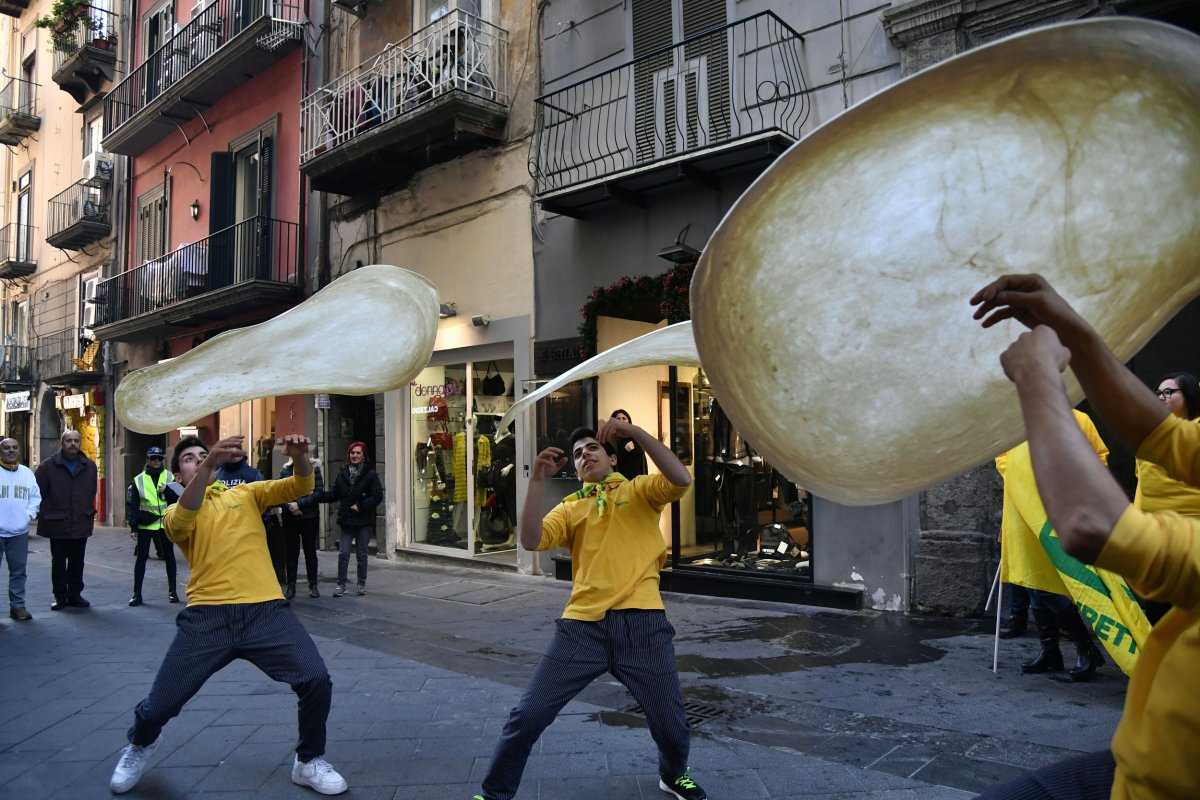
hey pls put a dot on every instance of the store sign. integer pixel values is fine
(75, 401)
(321, 401)
(555, 356)
(16, 401)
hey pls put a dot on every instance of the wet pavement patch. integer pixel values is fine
(469, 592)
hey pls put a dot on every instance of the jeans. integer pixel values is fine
(361, 537)
(16, 550)
(166, 547)
(300, 532)
(66, 567)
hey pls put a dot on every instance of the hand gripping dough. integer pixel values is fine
(368, 331)
(830, 306)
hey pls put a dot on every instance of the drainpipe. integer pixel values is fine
(302, 184)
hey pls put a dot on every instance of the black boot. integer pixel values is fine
(1089, 656)
(1012, 627)
(290, 592)
(1050, 658)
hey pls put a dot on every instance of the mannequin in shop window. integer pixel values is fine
(631, 458)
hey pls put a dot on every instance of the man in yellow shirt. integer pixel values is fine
(614, 621)
(1154, 751)
(235, 609)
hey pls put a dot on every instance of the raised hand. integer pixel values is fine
(548, 462)
(1028, 299)
(1038, 349)
(224, 451)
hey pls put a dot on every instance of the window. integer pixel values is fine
(152, 225)
(93, 132)
(24, 237)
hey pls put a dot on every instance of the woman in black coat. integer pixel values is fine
(358, 491)
(631, 458)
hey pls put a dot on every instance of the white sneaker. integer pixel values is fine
(132, 765)
(318, 775)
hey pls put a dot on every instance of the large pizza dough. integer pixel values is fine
(830, 306)
(369, 331)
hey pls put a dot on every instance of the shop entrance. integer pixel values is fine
(464, 487)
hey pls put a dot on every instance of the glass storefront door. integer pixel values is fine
(464, 471)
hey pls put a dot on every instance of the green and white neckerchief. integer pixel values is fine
(599, 489)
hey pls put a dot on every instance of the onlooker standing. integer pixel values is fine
(19, 501)
(358, 490)
(631, 458)
(301, 523)
(145, 505)
(67, 481)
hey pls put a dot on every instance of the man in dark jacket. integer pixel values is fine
(301, 526)
(67, 481)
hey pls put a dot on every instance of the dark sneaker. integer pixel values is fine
(132, 766)
(683, 788)
(362, 588)
(313, 591)
(172, 596)
(318, 775)
(340, 590)
(78, 602)
(135, 601)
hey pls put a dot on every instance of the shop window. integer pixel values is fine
(464, 471)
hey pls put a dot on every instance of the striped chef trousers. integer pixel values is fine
(208, 638)
(1086, 777)
(635, 645)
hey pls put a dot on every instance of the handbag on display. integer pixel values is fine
(442, 439)
(438, 410)
(492, 384)
(494, 525)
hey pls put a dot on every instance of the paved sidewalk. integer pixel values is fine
(788, 702)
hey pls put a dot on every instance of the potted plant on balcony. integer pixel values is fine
(62, 19)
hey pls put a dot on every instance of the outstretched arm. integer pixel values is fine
(1082, 498)
(1118, 396)
(667, 462)
(548, 462)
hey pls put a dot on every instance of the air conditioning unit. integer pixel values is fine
(89, 320)
(98, 167)
(91, 289)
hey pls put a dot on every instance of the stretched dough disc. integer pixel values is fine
(368, 331)
(673, 344)
(831, 304)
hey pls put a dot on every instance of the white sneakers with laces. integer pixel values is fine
(319, 775)
(132, 765)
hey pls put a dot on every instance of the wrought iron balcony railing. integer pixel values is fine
(459, 51)
(220, 23)
(257, 249)
(78, 216)
(96, 29)
(16, 250)
(717, 87)
(65, 352)
(18, 110)
(16, 366)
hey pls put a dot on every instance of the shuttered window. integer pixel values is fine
(681, 96)
(152, 225)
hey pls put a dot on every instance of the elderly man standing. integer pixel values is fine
(19, 501)
(67, 481)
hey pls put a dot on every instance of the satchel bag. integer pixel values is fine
(438, 410)
(442, 439)
(492, 384)
(494, 525)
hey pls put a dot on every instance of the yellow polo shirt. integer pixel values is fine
(225, 542)
(1158, 491)
(1157, 743)
(615, 556)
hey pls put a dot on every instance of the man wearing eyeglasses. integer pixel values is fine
(1153, 752)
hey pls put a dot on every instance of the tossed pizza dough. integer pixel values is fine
(831, 305)
(368, 331)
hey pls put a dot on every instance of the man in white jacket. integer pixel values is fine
(19, 503)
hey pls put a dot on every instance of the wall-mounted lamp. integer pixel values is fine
(481, 321)
(446, 310)
(195, 210)
(678, 252)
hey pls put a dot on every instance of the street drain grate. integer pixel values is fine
(697, 713)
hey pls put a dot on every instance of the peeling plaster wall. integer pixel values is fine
(867, 547)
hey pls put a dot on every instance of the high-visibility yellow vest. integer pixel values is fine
(152, 497)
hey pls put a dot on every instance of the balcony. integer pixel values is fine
(225, 45)
(85, 54)
(16, 251)
(79, 216)
(16, 368)
(18, 111)
(732, 98)
(67, 359)
(247, 267)
(427, 99)
(13, 8)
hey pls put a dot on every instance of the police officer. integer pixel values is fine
(145, 505)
